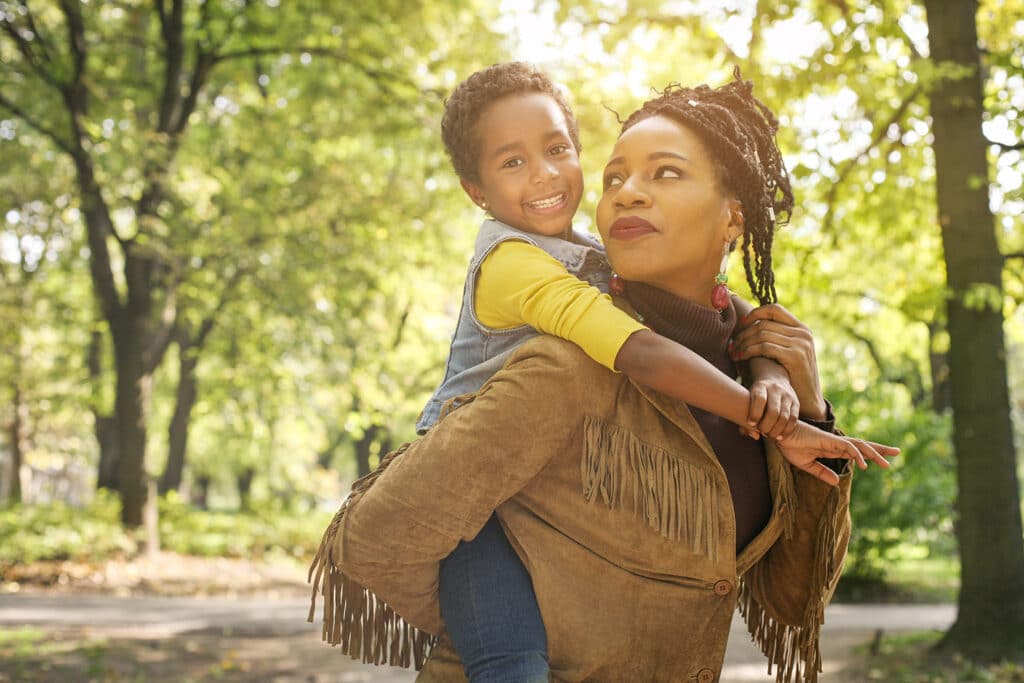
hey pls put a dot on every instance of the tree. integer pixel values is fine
(121, 111)
(990, 618)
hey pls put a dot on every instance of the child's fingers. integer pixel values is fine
(843, 447)
(758, 401)
(772, 410)
(819, 471)
(747, 431)
(872, 451)
(794, 418)
(887, 451)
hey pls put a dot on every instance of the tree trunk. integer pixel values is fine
(104, 426)
(130, 413)
(177, 433)
(201, 495)
(244, 483)
(362, 448)
(991, 603)
(374, 434)
(938, 362)
(17, 457)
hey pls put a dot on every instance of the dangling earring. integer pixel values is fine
(720, 294)
(616, 285)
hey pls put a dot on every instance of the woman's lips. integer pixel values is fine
(630, 227)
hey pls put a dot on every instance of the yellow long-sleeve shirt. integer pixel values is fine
(520, 283)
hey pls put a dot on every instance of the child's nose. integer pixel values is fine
(545, 171)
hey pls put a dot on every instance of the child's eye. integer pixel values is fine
(512, 163)
(612, 180)
(668, 172)
(560, 148)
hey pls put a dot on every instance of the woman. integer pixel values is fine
(642, 522)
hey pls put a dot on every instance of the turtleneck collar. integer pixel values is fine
(704, 330)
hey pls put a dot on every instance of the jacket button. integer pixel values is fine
(722, 588)
(705, 676)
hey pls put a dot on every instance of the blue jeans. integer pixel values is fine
(491, 612)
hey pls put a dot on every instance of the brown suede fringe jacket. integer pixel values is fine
(616, 504)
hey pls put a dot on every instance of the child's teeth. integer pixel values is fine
(545, 203)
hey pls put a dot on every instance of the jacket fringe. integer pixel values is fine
(796, 650)
(675, 497)
(365, 627)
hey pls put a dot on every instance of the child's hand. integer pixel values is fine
(774, 408)
(806, 444)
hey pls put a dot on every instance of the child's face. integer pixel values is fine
(529, 170)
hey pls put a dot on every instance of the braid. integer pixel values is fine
(739, 133)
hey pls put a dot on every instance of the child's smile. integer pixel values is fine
(529, 170)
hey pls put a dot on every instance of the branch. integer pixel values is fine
(1004, 147)
(225, 297)
(38, 127)
(36, 62)
(171, 29)
(163, 335)
(844, 172)
(76, 40)
(43, 42)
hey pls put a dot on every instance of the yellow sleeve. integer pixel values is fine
(520, 283)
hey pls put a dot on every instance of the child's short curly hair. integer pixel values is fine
(469, 99)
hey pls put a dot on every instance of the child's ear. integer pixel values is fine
(475, 193)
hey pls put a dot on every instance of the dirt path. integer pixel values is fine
(50, 638)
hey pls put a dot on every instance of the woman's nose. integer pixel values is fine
(630, 194)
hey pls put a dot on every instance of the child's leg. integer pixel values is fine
(491, 612)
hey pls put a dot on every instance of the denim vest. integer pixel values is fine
(478, 351)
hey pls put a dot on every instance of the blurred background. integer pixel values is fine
(232, 249)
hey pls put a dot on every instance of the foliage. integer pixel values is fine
(56, 531)
(912, 502)
(312, 220)
(907, 658)
(268, 530)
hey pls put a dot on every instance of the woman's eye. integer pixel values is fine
(668, 172)
(611, 181)
(512, 163)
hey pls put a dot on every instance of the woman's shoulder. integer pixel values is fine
(560, 366)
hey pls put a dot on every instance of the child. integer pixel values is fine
(514, 144)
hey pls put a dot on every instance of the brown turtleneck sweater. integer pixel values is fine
(706, 331)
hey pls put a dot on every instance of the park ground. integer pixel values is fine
(176, 619)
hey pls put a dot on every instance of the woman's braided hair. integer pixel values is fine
(472, 96)
(738, 131)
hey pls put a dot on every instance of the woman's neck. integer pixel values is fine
(701, 328)
(697, 290)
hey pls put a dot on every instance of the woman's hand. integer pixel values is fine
(773, 332)
(806, 445)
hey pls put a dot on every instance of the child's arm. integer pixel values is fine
(521, 284)
(769, 384)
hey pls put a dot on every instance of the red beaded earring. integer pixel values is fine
(720, 294)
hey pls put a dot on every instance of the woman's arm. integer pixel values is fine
(773, 332)
(783, 597)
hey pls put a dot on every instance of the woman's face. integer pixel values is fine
(663, 217)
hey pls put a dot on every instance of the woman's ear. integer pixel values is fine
(475, 193)
(737, 224)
